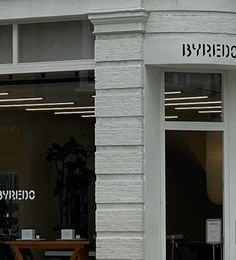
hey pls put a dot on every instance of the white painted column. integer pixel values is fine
(230, 181)
(119, 133)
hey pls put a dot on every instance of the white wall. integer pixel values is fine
(119, 135)
(154, 179)
(20, 9)
(216, 5)
(230, 192)
(166, 32)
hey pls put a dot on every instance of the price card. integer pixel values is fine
(213, 231)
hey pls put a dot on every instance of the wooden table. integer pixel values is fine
(22, 249)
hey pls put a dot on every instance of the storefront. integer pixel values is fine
(163, 76)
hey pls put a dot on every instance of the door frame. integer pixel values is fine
(198, 126)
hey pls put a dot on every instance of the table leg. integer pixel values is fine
(84, 253)
(18, 255)
(75, 254)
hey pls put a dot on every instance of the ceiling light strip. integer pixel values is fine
(38, 104)
(197, 108)
(193, 103)
(58, 108)
(210, 112)
(88, 116)
(173, 92)
(20, 99)
(4, 94)
(171, 117)
(186, 98)
(74, 112)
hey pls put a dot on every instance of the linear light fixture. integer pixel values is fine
(20, 99)
(88, 116)
(171, 117)
(4, 94)
(209, 111)
(38, 104)
(93, 96)
(193, 103)
(172, 92)
(74, 112)
(58, 108)
(197, 108)
(186, 98)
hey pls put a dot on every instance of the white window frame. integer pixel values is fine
(17, 67)
(197, 126)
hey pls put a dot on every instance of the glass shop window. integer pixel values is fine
(47, 147)
(5, 44)
(193, 97)
(56, 41)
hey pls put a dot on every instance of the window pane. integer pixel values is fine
(5, 44)
(193, 97)
(57, 41)
(47, 141)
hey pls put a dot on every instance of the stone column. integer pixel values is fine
(119, 133)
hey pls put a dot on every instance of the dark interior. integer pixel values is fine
(193, 192)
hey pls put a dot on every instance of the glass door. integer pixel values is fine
(193, 192)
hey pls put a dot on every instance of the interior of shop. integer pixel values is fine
(47, 146)
(193, 193)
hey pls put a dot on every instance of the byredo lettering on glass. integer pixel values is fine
(210, 50)
(17, 194)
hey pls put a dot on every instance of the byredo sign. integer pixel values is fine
(209, 50)
(169, 50)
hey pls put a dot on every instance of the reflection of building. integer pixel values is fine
(142, 49)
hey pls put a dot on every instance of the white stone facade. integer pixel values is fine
(120, 133)
(128, 61)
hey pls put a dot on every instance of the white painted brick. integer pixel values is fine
(119, 103)
(202, 22)
(120, 161)
(111, 189)
(119, 48)
(119, 131)
(119, 220)
(120, 248)
(119, 140)
(119, 76)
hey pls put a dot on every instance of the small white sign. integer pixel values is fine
(27, 234)
(67, 234)
(213, 231)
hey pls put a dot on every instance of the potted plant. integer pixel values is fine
(72, 183)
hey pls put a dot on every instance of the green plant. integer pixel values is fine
(73, 179)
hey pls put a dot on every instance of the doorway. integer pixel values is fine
(194, 164)
(194, 127)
